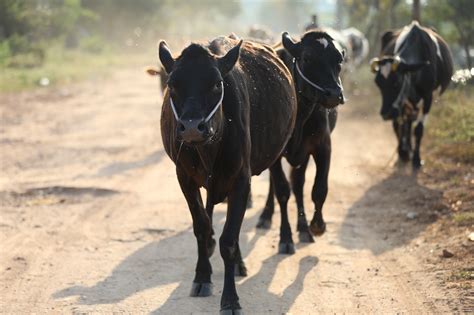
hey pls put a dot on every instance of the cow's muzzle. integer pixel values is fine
(193, 131)
(333, 98)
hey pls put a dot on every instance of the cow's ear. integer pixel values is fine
(153, 71)
(292, 47)
(227, 62)
(165, 57)
(387, 38)
(404, 67)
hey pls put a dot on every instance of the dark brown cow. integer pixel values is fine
(228, 113)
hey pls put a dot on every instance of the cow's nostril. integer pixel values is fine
(181, 127)
(202, 127)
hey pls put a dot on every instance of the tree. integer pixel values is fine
(416, 10)
(463, 19)
(454, 21)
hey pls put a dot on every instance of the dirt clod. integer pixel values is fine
(447, 254)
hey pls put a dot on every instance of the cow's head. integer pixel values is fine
(392, 76)
(196, 90)
(317, 67)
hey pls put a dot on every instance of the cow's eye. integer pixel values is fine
(171, 88)
(217, 87)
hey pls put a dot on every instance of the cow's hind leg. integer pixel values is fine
(211, 244)
(240, 268)
(297, 184)
(265, 219)
(322, 158)
(228, 243)
(282, 191)
(202, 285)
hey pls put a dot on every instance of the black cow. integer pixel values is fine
(315, 63)
(227, 114)
(414, 62)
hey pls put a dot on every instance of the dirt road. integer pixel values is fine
(93, 220)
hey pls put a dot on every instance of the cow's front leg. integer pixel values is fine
(402, 130)
(416, 153)
(202, 285)
(229, 239)
(419, 128)
(322, 158)
(297, 184)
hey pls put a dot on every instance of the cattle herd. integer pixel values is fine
(233, 108)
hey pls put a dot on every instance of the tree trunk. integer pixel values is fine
(416, 10)
(339, 14)
(393, 15)
(468, 55)
(378, 26)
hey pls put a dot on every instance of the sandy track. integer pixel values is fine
(109, 231)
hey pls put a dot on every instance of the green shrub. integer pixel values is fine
(92, 44)
(5, 52)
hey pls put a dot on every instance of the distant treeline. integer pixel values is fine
(452, 19)
(28, 27)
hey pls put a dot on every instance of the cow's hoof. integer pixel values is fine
(264, 224)
(404, 156)
(417, 164)
(211, 246)
(240, 269)
(231, 312)
(317, 228)
(305, 237)
(232, 308)
(286, 248)
(201, 289)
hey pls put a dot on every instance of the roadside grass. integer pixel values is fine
(464, 219)
(60, 66)
(463, 274)
(450, 130)
(449, 149)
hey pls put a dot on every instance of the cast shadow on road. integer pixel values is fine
(164, 262)
(121, 167)
(390, 214)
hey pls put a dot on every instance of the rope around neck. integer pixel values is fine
(213, 111)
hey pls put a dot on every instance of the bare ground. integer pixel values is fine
(93, 221)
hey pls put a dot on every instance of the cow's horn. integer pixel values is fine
(374, 65)
(395, 63)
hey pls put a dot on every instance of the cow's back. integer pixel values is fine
(263, 79)
(272, 104)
